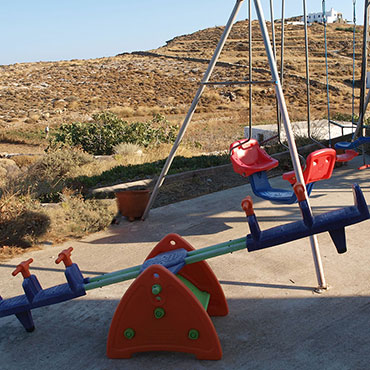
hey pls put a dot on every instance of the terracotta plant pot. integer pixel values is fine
(132, 203)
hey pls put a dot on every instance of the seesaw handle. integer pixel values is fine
(299, 192)
(23, 268)
(247, 205)
(65, 256)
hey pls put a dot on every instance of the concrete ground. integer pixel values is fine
(276, 321)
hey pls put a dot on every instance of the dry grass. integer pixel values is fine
(22, 220)
(128, 149)
(25, 161)
(26, 223)
(147, 111)
(76, 217)
(122, 111)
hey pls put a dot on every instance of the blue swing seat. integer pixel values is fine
(353, 144)
(262, 188)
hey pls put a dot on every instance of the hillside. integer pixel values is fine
(136, 85)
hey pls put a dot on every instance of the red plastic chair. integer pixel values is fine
(248, 158)
(319, 166)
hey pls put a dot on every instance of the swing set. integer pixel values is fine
(248, 157)
(250, 160)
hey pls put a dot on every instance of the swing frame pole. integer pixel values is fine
(364, 61)
(250, 66)
(307, 69)
(192, 108)
(308, 89)
(290, 137)
(365, 41)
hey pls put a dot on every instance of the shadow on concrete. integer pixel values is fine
(264, 285)
(315, 332)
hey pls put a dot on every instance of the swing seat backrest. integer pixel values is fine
(319, 166)
(249, 158)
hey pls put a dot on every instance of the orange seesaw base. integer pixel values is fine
(159, 312)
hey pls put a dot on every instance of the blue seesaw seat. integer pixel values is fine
(251, 161)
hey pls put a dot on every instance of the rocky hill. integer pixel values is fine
(137, 85)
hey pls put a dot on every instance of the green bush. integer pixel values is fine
(106, 130)
(346, 29)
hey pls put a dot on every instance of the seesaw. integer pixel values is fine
(169, 304)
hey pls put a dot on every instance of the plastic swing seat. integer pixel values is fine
(347, 156)
(262, 188)
(353, 144)
(248, 159)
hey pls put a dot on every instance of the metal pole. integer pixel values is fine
(282, 42)
(307, 69)
(290, 138)
(363, 68)
(273, 28)
(363, 105)
(308, 77)
(250, 67)
(353, 62)
(272, 16)
(193, 107)
(282, 33)
(326, 69)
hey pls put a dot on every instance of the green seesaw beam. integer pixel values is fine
(192, 257)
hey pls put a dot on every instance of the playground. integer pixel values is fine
(275, 318)
(259, 307)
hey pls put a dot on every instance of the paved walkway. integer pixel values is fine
(276, 321)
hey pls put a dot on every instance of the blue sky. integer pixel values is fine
(40, 30)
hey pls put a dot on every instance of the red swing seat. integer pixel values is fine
(348, 155)
(319, 166)
(248, 158)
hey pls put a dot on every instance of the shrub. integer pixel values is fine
(127, 149)
(347, 29)
(45, 178)
(77, 217)
(347, 117)
(106, 130)
(22, 220)
(8, 170)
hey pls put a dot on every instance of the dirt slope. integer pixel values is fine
(165, 80)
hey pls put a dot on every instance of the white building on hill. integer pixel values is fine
(331, 17)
